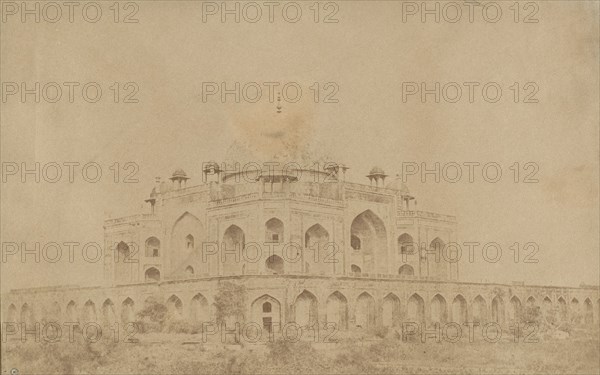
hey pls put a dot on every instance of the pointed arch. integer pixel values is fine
(406, 244)
(439, 309)
(190, 243)
(186, 233)
(479, 309)
(498, 310)
(72, 312)
(575, 311)
(459, 309)
(128, 311)
(152, 274)
(27, 315)
(266, 311)
(406, 270)
(437, 244)
(365, 311)
(109, 314)
(189, 271)
(438, 266)
(199, 309)
(515, 309)
(274, 230)
(391, 310)
(563, 311)
(416, 309)
(89, 311)
(371, 231)
(547, 308)
(588, 312)
(174, 308)
(152, 247)
(306, 309)
(337, 310)
(11, 313)
(234, 241)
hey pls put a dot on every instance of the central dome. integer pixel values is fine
(267, 136)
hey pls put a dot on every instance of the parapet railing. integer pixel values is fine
(369, 189)
(274, 195)
(131, 218)
(426, 215)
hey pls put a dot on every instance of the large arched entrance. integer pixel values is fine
(370, 231)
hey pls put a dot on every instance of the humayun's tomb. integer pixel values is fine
(307, 245)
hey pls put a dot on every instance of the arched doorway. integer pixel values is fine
(27, 316)
(437, 265)
(306, 309)
(337, 310)
(371, 232)
(274, 230)
(152, 275)
(199, 309)
(406, 244)
(459, 310)
(416, 309)
(562, 309)
(174, 308)
(439, 312)
(266, 311)
(479, 310)
(498, 310)
(89, 311)
(406, 271)
(152, 247)
(108, 312)
(127, 311)
(391, 310)
(365, 311)
(515, 309)
(234, 242)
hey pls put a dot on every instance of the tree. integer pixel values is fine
(230, 302)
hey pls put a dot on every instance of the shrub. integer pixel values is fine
(381, 331)
(152, 317)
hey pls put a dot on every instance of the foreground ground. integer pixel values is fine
(353, 353)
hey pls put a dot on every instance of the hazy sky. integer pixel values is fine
(368, 54)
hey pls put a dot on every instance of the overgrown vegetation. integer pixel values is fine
(230, 303)
(172, 354)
